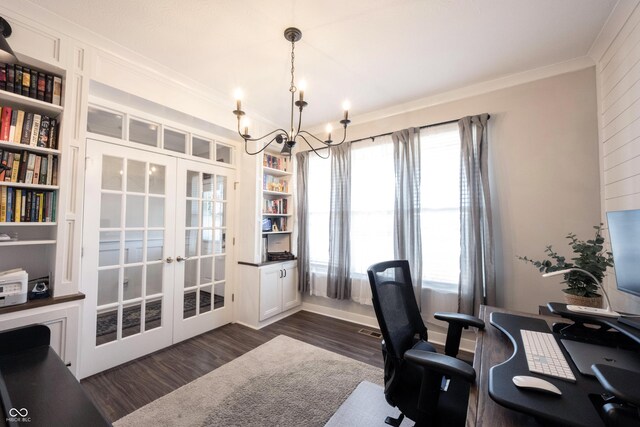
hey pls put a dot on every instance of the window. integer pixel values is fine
(440, 205)
(372, 206)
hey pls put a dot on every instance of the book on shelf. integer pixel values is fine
(12, 125)
(19, 205)
(3, 163)
(7, 176)
(43, 170)
(5, 123)
(43, 133)
(3, 204)
(16, 167)
(17, 79)
(33, 89)
(11, 75)
(26, 81)
(57, 90)
(24, 164)
(3, 77)
(17, 137)
(41, 86)
(275, 206)
(48, 88)
(35, 130)
(26, 128)
(29, 82)
(36, 171)
(49, 169)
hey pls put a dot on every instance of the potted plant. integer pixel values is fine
(591, 256)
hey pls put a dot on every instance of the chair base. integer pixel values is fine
(395, 422)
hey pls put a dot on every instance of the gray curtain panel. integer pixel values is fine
(304, 276)
(477, 269)
(407, 235)
(339, 271)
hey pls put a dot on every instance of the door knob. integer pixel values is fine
(180, 259)
(169, 260)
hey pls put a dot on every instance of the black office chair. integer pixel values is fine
(429, 388)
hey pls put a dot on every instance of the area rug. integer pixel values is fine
(284, 382)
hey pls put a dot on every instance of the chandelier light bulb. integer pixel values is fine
(238, 94)
(346, 105)
(302, 86)
(245, 124)
(329, 128)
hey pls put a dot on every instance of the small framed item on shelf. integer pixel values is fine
(266, 225)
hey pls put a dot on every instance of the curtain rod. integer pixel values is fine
(389, 133)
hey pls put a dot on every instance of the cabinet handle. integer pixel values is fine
(285, 272)
(169, 260)
(281, 274)
(180, 259)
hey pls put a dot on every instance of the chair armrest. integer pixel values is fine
(441, 364)
(463, 320)
(622, 383)
(457, 321)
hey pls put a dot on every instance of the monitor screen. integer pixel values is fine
(624, 232)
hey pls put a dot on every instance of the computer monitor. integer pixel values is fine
(624, 232)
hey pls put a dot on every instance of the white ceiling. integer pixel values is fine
(376, 53)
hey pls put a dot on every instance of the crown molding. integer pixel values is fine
(572, 65)
(615, 22)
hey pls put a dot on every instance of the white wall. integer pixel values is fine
(543, 140)
(617, 56)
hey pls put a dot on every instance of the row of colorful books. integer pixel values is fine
(271, 183)
(35, 84)
(28, 168)
(275, 162)
(21, 127)
(19, 205)
(276, 206)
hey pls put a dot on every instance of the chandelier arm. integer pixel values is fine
(314, 150)
(344, 137)
(261, 137)
(260, 150)
(316, 138)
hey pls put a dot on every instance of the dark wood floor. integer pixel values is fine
(121, 390)
(128, 387)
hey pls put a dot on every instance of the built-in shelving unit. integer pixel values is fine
(277, 200)
(29, 198)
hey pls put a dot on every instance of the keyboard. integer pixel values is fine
(544, 355)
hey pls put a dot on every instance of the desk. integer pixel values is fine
(492, 348)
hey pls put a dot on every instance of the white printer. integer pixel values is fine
(13, 287)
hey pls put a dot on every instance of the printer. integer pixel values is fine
(13, 287)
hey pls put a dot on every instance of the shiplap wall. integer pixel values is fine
(617, 56)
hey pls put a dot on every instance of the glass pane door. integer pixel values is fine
(127, 198)
(203, 268)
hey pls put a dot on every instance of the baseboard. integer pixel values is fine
(360, 319)
(466, 344)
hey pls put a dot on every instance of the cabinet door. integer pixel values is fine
(270, 291)
(290, 295)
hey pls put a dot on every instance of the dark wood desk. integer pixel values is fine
(492, 348)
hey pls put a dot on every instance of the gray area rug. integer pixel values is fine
(284, 382)
(366, 407)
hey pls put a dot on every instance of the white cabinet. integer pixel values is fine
(290, 294)
(267, 292)
(278, 289)
(270, 291)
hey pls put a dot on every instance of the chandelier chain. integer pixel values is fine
(292, 88)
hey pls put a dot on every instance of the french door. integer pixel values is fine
(154, 266)
(200, 293)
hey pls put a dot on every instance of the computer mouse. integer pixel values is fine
(534, 383)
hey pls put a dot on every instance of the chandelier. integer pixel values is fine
(289, 138)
